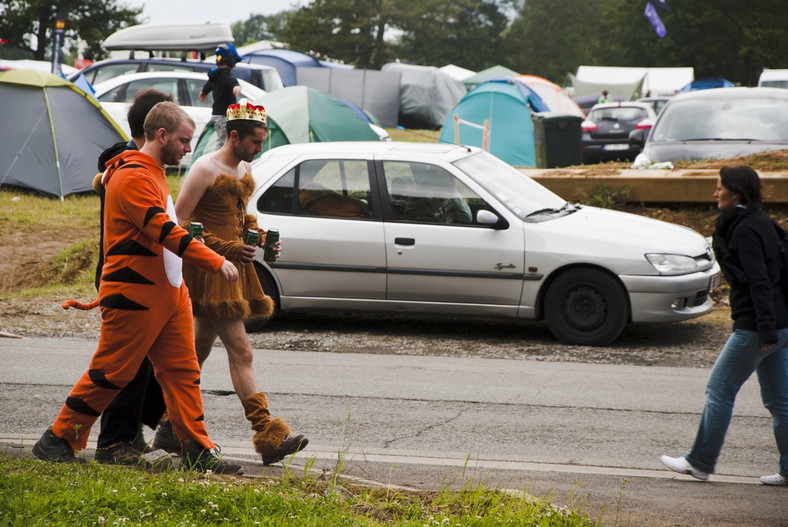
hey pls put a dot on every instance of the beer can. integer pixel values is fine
(195, 229)
(250, 238)
(271, 237)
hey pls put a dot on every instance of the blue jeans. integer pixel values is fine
(738, 359)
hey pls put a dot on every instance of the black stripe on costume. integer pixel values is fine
(184, 243)
(127, 275)
(100, 380)
(151, 213)
(130, 248)
(80, 406)
(119, 301)
(197, 382)
(165, 230)
(201, 418)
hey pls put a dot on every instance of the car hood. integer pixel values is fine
(613, 239)
(698, 150)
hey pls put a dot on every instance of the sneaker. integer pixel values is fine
(290, 445)
(776, 479)
(196, 457)
(52, 448)
(122, 453)
(165, 439)
(139, 442)
(682, 466)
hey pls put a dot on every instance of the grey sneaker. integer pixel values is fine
(122, 453)
(682, 466)
(776, 479)
(165, 439)
(195, 457)
(52, 448)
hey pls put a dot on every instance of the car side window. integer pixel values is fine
(424, 193)
(331, 188)
(110, 71)
(193, 88)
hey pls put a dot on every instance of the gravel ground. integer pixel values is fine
(693, 343)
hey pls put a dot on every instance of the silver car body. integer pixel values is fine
(502, 265)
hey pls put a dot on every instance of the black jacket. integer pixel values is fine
(221, 83)
(747, 248)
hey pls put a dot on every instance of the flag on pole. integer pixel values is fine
(653, 17)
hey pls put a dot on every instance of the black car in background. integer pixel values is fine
(606, 130)
(718, 123)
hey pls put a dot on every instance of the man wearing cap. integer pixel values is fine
(215, 192)
(224, 87)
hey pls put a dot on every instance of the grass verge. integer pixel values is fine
(36, 493)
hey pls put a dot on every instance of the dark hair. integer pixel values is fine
(245, 127)
(144, 100)
(744, 181)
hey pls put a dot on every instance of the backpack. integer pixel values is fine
(782, 237)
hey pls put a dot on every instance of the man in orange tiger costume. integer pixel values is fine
(145, 306)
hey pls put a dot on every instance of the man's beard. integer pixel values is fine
(171, 154)
(243, 155)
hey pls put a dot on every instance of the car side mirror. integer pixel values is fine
(638, 137)
(486, 217)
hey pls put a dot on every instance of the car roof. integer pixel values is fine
(445, 151)
(731, 93)
(104, 86)
(622, 104)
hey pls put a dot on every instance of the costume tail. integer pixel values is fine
(79, 305)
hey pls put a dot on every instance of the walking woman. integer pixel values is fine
(746, 244)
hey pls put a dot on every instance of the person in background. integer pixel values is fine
(224, 87)
(215, 192)
(746, 243)
(120, 440)
(604, 98)
(145, 306)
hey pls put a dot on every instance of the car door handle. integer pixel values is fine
(404, 241)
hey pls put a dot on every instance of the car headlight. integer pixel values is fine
(672, 263)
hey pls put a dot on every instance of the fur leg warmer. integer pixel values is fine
(271, 435)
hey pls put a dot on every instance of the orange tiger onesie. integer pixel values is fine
(145, 306)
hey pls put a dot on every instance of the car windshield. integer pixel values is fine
(623, 113)
(519, 193)
(724, 119)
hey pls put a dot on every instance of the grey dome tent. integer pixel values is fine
(53, 133)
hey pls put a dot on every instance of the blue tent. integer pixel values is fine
(286, 61)
(507, 105)
(707, 84)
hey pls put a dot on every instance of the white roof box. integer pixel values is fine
(170, 37)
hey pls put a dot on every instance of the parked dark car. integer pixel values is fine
(606, 130)
(265, 77)
(717, 123)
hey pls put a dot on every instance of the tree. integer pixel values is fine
(28, 25)
(468, 33)
(258, 27)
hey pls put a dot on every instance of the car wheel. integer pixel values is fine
(256, 325)
(586, 306)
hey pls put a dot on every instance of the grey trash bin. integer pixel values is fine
(558, 139)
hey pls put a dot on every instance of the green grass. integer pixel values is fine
(36, 493)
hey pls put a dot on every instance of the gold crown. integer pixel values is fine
(246, 110)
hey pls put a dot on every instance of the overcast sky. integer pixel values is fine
(215, 11)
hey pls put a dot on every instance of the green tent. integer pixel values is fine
(299, 114)
(53, 133)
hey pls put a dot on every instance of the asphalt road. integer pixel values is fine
(586, 435)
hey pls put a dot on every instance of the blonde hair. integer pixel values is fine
(167, 115)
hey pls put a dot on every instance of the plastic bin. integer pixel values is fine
(558, 139)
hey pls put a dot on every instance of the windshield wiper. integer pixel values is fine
(720, 139)
(550, 210)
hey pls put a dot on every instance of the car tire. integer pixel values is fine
(587, 307)
(256, 325)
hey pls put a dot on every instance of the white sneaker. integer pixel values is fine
(775, 479)
(682, 466)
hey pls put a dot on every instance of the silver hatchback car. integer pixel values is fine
(441, 229)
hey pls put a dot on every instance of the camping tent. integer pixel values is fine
(426, 94)
(287, 62)
(485, 75)
(506, 105)
(299, 114)
(629, 83)
(552, 95)
(54, 133)
(707, 84)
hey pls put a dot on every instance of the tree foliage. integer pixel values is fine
(28, 25)
(258, 27)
